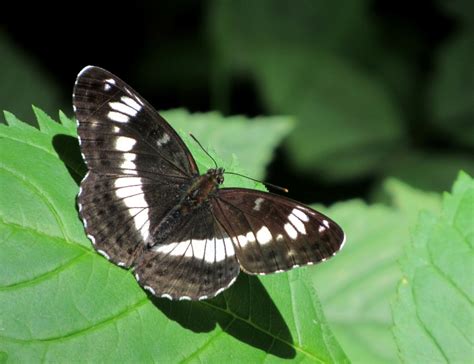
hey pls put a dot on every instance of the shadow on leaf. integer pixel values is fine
(245, 311)
(69, 152)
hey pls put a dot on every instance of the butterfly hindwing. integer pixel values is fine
(272, 233)
(197, 261)
(120, 212)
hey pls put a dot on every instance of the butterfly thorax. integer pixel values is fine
(202, 187)
(196, 195)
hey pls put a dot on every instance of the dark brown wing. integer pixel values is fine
(120, 131)
(196, 262)
(272, 233)
(139, 167)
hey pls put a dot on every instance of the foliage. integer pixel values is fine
(434, 311)
(61, 300)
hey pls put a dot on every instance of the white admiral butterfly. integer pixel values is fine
(145, 206)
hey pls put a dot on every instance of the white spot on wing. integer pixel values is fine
(148, 288)
(251, 237)
(220, 290)
(242, 241)
(128, 161)
(118, 117)
(220, 250)
(290, 230)
(132, 103)
(258, 204)
(130, 191)
(202, 298)
(123, 108)
(210, 254)
(264, 236)
(232, 282)
(229, 247)
(321, 228)
(185, 298)
(128, 165)
(300, 215)
(164, 248)
(109, 80)
(91, 238)
(163, 140)
(343, 242)
(125, 144)
(180, 248)
(165, 295)
(107, 87)
(199, 247)
(297, 223)
(326, 223)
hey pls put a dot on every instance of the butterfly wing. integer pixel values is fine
(138, 165)
(272, 233)
(116, 126)
(196, 262)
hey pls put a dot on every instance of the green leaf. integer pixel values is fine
(434, 311)
(356, 288)
(346, 121)
(61, 301)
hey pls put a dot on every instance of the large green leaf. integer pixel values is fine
(434, 311)
(63, 302)
(363, 279)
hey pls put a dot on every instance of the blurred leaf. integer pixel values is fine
(433, 171)
(24, 82)
(452, 91)
(434, 311)
(357, 287)
(61, 300)
(462, 9)
(346, 121)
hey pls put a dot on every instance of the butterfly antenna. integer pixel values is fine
(256, 180)
(205, 151)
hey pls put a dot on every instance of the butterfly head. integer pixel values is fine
(217, 174)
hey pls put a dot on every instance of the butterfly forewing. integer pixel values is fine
(272, 233)
(120, 132)
(138, 166)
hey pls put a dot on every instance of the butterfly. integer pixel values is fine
(146, 207)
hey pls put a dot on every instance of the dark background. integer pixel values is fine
(171, 52)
